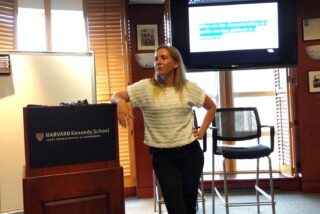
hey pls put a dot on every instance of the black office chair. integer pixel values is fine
(239, 125)
(157, 195)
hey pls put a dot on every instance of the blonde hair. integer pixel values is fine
(179, 72)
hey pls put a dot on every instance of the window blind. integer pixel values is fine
(283, 123)
(8, 24)
(106, 30)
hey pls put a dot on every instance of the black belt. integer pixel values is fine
(192, 145)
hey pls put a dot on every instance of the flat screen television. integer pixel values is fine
(234, 34)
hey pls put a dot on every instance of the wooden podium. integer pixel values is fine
(72, 160)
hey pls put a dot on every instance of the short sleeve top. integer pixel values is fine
(168, 117)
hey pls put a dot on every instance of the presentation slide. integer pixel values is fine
(233, 27)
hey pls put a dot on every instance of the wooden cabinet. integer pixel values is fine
(94, 191)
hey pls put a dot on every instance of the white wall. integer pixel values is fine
(36, 78)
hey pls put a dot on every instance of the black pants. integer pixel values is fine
(178, 171)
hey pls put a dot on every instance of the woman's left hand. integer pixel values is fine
(197, 134)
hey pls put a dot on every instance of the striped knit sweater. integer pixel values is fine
(168, 118)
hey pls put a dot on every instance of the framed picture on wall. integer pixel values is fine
(5, 67)
(314, 81)
(147, 36)
(311, 29)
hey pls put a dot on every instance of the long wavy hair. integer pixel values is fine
(179, 72)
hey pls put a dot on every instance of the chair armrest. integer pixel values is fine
(271, 133)
(204, 141)
(213, 128)
(196, 126)
(214, 139)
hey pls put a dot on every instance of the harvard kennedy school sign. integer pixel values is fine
(62, 135)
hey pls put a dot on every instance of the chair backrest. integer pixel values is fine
(237, 124)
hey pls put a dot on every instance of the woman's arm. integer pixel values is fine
(211, 108)
(121, 98)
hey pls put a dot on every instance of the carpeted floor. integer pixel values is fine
(287, 203)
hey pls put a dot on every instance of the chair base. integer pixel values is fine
(158, 200)
(258, 191)
(249, 203)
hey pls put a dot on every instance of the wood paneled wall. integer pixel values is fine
(142, 14)
(308, 105)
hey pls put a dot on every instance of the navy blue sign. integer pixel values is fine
(64, 135)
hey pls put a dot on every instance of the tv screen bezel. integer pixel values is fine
(284, 56)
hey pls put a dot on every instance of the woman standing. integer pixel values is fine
(166, 103)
